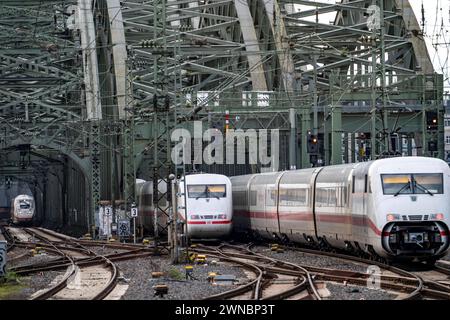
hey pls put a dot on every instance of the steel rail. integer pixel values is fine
(413, 295)
(252, 285)
(11, 241)
(261, 282)
(284, 264)
(63, 282)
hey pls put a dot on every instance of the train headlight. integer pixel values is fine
(437, 216)
(392, 217)
(195, 217)
(221, 216)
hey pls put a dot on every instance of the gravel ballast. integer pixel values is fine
(351, 292)
(311, 260)
(446, 257)
(138, 276)
(338, 291)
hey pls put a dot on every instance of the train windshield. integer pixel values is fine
(417, 183)
(206, 191)
(24, 205)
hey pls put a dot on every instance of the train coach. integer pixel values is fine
(208, 205)
(207, 211)
(395, 208)
(22, 209)
(146, 206)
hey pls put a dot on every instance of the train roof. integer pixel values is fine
(400, 164)
(397, 164)
(23, 196)
(207, 178)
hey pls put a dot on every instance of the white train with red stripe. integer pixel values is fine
(395, 208)
(208, 208)
(22, 209)
(207, 211)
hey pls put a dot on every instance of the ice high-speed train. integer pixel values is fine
(208, 206)
(22, 209)
(395, 208)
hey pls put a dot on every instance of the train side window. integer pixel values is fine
(238, 198)
(353, 184)
(365, 183)
(344, 196)
(253, 197)
(338, 197)
(333, 197)
(147, 199)
(292, 197)
(326, 197)
(271, 197)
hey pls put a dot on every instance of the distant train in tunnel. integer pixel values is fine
(208, 206)
(17, 203)
(23, 209)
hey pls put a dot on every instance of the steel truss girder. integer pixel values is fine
(43, 89)
(136, 18)
(38, 68)
(205, 44)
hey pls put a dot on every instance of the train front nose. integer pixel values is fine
(209, 230)
(421, 239)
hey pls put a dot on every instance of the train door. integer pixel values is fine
(312, 199)
(270, 209)
(255, 212)
(277, 203)
(359, 203)
(365, 203)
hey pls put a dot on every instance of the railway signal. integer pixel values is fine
(432, 120)
(312, 143)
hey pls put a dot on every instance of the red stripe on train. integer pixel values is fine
(302, 216)
(308, 216)
(360, 221)
(221, 222)
(212, 222)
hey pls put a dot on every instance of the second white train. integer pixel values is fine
(207, 211)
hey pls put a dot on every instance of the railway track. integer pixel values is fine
(4, 232)
(279, 269)
(103, 269)
(88, 275)
(417, 285)
(436, 281)
(407, 284)
(270, 278)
